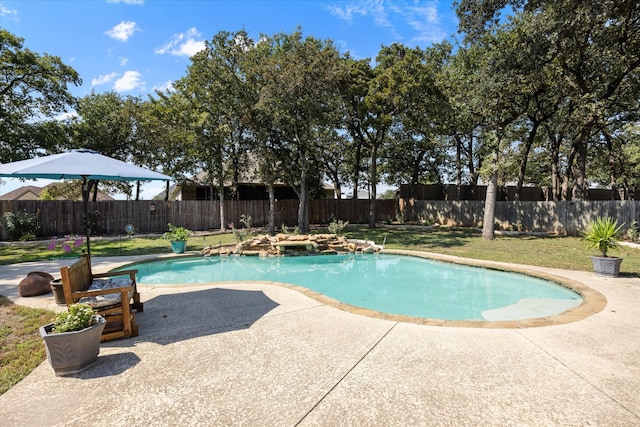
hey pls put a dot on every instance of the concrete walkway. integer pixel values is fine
(262, 354)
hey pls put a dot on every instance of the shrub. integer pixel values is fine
(79, 316)
(337, 226)
(246, 232)
(633, 233)
(21, 224)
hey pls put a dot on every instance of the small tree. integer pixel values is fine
(21, 225)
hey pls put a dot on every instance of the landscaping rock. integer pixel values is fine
(294, 244)
(35, 284)
(41, 273)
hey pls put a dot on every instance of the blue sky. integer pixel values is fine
(136, 46)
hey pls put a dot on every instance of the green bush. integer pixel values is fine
(246, 232)
(337, 226)
(79, 316)
(21, 225)
(633, 233)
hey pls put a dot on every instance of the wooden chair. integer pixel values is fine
(113, 299)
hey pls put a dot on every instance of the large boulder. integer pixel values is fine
(36, 283)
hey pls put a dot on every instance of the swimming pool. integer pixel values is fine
(393, 284)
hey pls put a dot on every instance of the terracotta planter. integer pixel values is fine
(606, 266)
(73, 352)
(178, 246)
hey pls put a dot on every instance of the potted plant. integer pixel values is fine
(72, 341)
(178, 237)
(602, 234)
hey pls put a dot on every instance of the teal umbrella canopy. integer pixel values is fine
(84, 164)
(79, 164)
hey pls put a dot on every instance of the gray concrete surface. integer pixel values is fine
(259, 354)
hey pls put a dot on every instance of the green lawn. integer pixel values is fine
(22, 348)
(117, 246)
(545, 251)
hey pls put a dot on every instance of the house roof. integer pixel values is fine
(26, 192)
(32, 192)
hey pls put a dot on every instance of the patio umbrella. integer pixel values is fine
(84, 164)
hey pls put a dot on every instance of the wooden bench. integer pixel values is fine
(114, 299)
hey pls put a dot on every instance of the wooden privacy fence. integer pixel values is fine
(61, 217)
(58, 218)
(565, 217)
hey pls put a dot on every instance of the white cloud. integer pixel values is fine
(130, 80)
(425, 20)
(105, 78)
(189, 48)
(66, 116)
(165, 87)
(4, 11)
(122, 31)
(373, 8)
(123, 61)
(183, 44)
(126, 1)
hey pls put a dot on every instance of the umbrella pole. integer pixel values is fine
(87, 226)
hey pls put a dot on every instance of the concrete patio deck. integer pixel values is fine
(260, 354)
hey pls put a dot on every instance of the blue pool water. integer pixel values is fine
(393, 284)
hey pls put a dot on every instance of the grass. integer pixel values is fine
(116, 246)
(541, 250)
(22, 348)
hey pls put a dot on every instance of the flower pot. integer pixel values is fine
(606, 266)
(178, 246)
(58, 292)
(73, 352)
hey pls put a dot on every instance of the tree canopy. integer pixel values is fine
(538, 92)
(33, 87)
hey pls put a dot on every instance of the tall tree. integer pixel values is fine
(354, 91)
(106, 123)
(32, 87)
(298, 88)
(414, 153)
(588, 52)
(216, 86)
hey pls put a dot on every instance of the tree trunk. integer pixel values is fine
(524, 158)
(221, 198)
(555, 165)
(272, 209)
(337, 191)
(302, 224)
(458, 166)
(93, 184)
(612, 167)
(374, 181)
(488, 223)
(580, 188)
(567, 175)
(473, 177)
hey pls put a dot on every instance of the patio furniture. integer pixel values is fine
(112, 296)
